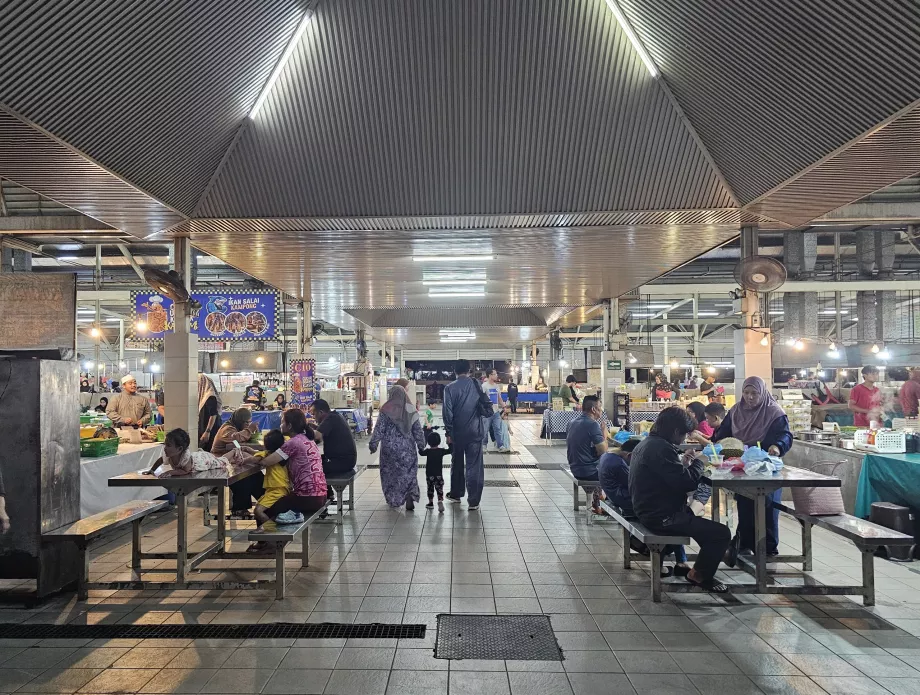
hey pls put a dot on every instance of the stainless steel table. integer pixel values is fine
(757, 487)
(182, 486)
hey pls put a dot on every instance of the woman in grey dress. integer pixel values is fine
(398, 432)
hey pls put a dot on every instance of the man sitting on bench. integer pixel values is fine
(659, 480)
(613, 471)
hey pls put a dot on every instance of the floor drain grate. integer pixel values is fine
(262, 631)
(500, 483)
(494, 637)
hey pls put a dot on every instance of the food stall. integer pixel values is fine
(96, 495)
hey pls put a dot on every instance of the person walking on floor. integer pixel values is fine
(399, 434)
(209, 408)
(512, 395)
(492, 387)
(463, 423)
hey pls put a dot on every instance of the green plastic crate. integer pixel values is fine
(98, 447)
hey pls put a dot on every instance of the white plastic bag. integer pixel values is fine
(757, 461)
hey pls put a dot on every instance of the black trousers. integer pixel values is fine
(513, 402)
(242, 491)
(712, 537)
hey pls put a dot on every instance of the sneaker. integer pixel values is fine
(452, 498)
(440, 506)
(430, 505)
(473, 507)
(410, 506)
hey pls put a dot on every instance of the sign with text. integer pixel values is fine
(38, 311)
(614, 365)
(303, 389)
(251, 315)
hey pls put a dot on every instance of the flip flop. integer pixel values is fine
(258, 549)
(711, 585)
(667, 571)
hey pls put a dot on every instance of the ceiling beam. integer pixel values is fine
(873, 212)
(130, 258)
(58, 224)
(723, 288)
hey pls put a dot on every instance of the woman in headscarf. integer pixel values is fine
(757, 420)
(399, 433)
(103, 404)
(239, 428)
(209, 407)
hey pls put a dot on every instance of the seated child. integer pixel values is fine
(434, 469)
(714, 413)
(277, 482)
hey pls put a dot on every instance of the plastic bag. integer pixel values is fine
(622, 436)
(712, 449)
(756, 460)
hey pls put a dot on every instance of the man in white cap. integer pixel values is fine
(128, 407)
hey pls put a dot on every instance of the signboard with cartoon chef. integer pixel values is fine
(251, 315)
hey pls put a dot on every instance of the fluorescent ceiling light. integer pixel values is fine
(448, 283)
(292, 44)
(87, 312)
(707, 313)
(470, 257)
(69, 247)
(456, 294)
(454, 340)
(67, 258)
(633, 39)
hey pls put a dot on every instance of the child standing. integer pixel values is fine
(434, 469)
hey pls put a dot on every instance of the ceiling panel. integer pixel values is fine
(413, 107)
(38, 162)
(773, 87)
(154, 91)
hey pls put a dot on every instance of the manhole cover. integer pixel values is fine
(515, 637)
(258, 631)
(500, 483)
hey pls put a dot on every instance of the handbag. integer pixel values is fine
(819, 501)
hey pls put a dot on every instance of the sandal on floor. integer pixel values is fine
(711, 585)
(242, 515)
(258, 548)
(680, 571)
(667, 571)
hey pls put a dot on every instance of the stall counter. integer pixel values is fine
(96, 495)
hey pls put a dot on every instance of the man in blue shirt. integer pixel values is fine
(464, 427)
(585, 443)
(493, 390)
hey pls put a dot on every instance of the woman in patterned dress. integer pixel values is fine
(399, 434)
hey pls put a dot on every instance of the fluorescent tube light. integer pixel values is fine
(292, 44)
(454, 340)
(456, 294)
(449, 283)
(470, 257)
(633, 39)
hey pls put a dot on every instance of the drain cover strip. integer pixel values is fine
(259, 631)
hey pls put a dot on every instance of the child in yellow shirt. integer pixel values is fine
(277, 482)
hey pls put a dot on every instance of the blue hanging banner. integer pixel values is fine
(251, 315)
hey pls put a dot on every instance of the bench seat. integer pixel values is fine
(338, 483)
(85, 531)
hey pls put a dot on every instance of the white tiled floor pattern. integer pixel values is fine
(526, 551)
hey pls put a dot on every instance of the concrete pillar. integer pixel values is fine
(534, 367)
(878, 316)
(751, 358)
(180, 380)
(15, 261)
(800, 252)
(875, 254)
(800, 315)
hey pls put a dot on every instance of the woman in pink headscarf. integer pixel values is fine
(757, 420)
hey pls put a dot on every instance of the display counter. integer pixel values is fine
(809, 455)
(96, 495)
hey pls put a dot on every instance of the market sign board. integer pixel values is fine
(251, 315)
(38, 311)
(303, 373)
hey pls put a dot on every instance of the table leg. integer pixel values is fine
(83, 578)
(351, 495)
(221, 519)
(181, 538)
(656, 576)
(280, 574)
(806, 546)
(868, 575)
(136, 544)
(760, 542)
(206, 508)
(714, 501)
(627, 564)
(575, 495)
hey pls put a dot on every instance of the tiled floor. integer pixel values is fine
(525, 551)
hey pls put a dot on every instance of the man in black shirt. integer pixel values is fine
(340, 455)
(659, 482)
(512, 394)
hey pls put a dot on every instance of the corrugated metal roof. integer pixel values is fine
(154, 91)
(41, 164)
(773, 87)
(890, 153)
(413, 107)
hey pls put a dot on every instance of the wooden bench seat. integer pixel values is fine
(866, 535)
(656, 543)
(85, 531)
(280, 535)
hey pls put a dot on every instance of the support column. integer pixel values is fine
(15, 261)
(800, 309)
(180, 379)
(751, 358)
(534, 367)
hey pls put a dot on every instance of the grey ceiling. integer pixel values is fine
(528, 126)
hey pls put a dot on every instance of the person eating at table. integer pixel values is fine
(128, 408)
(239, 428)
(757, 420)
(866, 398)
(659, 481)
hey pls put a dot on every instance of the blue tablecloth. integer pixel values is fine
(533, 396)
(888, 478)
(265, 419)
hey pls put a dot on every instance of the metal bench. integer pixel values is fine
(85, 531)
(864, 534)
(577, 484)
(280, 535)
(338, 484)
(655, 542)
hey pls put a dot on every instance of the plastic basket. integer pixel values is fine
(886, 442)
(98, 447)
